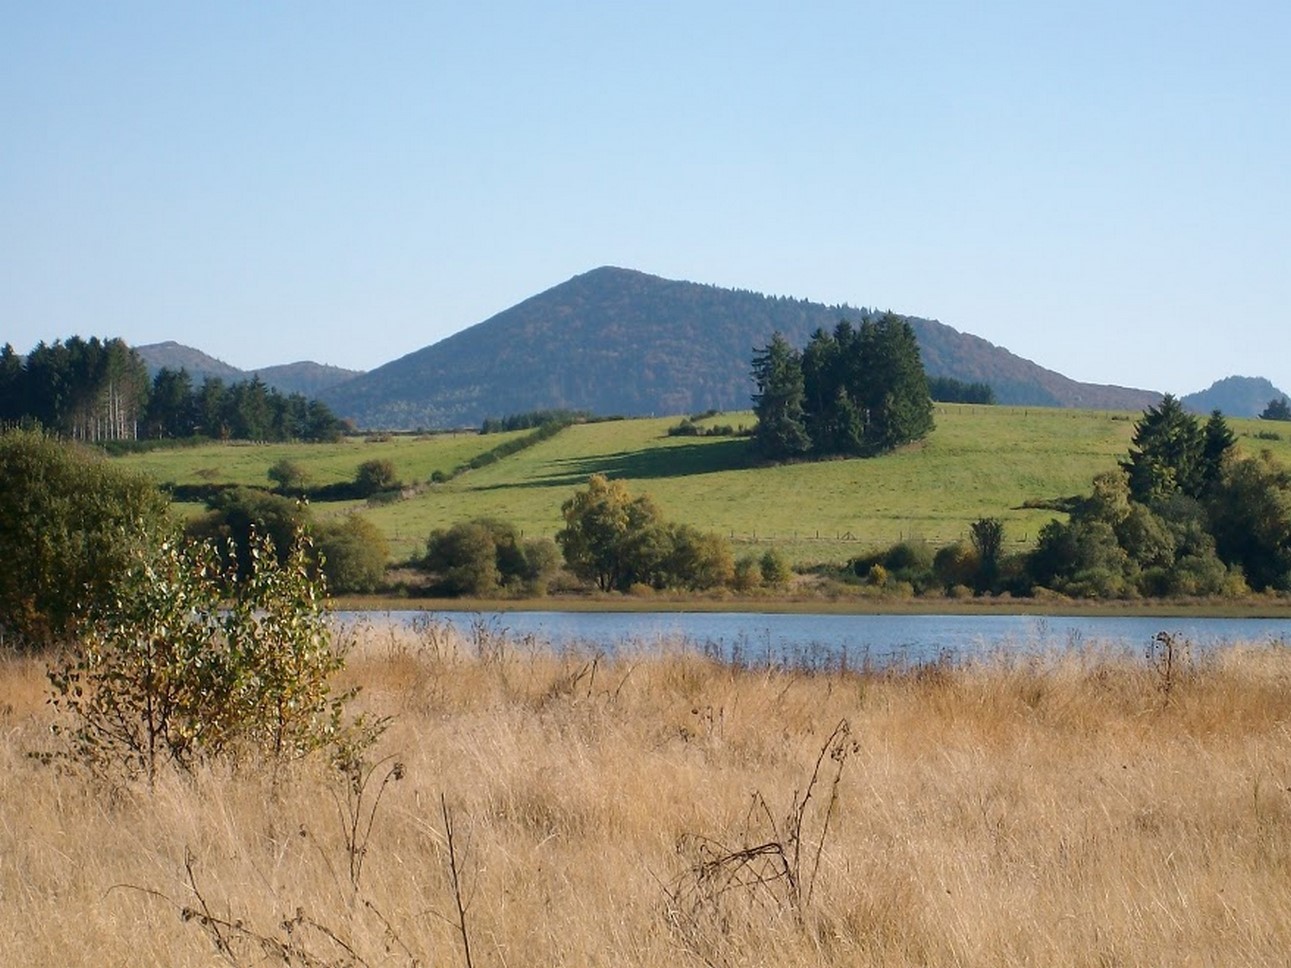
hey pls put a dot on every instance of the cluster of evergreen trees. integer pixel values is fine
(857, 391)
(99, 390)
(86, 389)
(946, 389)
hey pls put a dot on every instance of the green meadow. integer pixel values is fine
(980, 461)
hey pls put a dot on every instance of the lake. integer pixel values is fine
(828, 640)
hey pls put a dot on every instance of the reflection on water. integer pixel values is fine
(830, 641)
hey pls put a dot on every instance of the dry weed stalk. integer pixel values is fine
(774, 865)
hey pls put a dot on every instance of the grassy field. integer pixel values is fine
(980, 461)
(659, 810)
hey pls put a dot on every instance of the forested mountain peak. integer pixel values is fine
(1236, 396)
(620, 341)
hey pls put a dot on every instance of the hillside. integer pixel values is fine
(620, 341)
(1236, 396)
(305, 377)
(175, 356)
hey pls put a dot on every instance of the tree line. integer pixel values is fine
(1183, 514)
(99, 391)
(858, 391)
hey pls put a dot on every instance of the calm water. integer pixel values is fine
(857, 639)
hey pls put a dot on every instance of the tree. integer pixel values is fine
(13, 386)
(1278, 409)
(466, 556)
(172, 407)
(483, 556)
(374, 476)
(851, 392)
(289, 476)
(987, 536)
(601, 540)
(354, 553)
(778, 401)
(1217, 444)
(1250, 515)
(774, 568)
(698, 560)
(896, 399)
(235, 515)
(70, 523)
(1080, 557)
(189, 661)
(1166, 453)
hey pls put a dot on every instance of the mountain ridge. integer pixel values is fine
(616, 340)
(305, 376)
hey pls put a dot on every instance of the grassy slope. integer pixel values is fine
(980, 461)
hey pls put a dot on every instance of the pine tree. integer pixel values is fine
(898, 404)
(1218, 442)
(1166, 454)
(778, 401)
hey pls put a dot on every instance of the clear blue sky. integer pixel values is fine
(1104, 188)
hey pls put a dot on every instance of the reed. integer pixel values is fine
(1056, 811)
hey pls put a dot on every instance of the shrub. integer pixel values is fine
(375, 476)
(192, 660)
(289, 476)
(70, 523)
(235, 515)
(483, 556)
(955, 565)
(775, 569)
(748, 574)
(541, 564)
(699, 560)
(354, 553)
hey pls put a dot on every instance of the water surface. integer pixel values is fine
(828, 639)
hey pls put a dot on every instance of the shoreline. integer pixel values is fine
(1273, 608)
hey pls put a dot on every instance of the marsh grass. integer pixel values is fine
(1042, 811)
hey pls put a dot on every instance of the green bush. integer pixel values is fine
(775, 569)
(484, 557)
(234, 515)
(374, 476)
(748, 574)
(70, 523)
(289, 476)
(354, 553)
(193, 660)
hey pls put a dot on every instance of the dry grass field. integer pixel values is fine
(660, 810)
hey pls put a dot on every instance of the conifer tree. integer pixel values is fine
(778, 401)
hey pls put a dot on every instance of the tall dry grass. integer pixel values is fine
(611, 812)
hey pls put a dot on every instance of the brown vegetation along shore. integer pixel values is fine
(666, 810)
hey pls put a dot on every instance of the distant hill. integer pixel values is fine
(306, 378)
(175, 356)
(1236, 396)
(617, 341)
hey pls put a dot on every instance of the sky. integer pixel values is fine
(1103, 188)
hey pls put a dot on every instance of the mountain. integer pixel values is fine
(1236, 396)
(175, 356)
(305, 378)
(617, 341)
